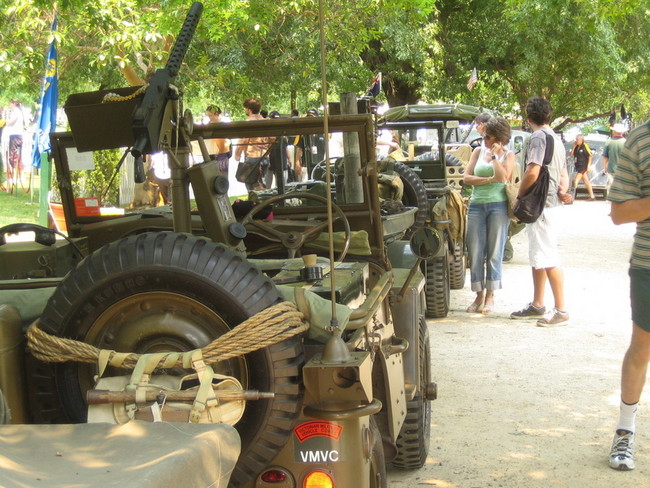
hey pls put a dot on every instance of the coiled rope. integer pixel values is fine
(268, 327)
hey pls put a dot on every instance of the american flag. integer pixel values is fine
(473, 78)
(375, 86)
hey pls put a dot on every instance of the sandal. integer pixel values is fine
(487, 307)
(476, 307)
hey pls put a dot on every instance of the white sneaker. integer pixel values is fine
(621, 456)
(554, 318)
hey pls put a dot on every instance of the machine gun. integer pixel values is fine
(154, 118)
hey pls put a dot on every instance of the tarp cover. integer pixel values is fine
(437, 111)
(136, 454)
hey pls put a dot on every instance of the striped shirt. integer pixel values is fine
(632, 181)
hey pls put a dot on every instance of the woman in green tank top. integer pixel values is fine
(489, 168)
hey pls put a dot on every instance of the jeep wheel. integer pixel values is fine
(415, 195)
(437, 287)
(377, 461)
(165, 291)
(413, 439)
(457, 267)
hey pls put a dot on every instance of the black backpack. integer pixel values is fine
(531, 204)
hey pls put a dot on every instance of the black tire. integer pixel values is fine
(4, 410)
(413, 439)
(377, 460)
(167, 291)
(415, 195)
(458, 267)
(437, 287)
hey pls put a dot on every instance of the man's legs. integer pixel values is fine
(556, 280)
(635, 366)
(633, 376)
(539, 286)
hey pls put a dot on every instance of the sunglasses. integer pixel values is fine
(488, 138)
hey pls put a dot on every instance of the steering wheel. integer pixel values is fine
(474, 143)
(318, 171)
(292, 240)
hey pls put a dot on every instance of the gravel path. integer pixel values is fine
(523, 406)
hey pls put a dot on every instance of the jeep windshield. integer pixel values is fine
(101, 200)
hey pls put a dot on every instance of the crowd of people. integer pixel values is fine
(490, 168)
(14, 141)
(265, 155)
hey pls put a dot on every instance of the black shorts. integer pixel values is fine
(639, 293)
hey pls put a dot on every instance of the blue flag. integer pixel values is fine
(49, 99)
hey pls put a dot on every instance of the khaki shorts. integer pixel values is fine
(542, 239)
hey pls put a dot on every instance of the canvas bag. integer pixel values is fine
(249, 171)
(531, 204)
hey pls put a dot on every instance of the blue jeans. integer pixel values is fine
(487, 231)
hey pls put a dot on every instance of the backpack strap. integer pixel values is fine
(548, 151)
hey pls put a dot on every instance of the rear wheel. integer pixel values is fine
(171, 292)
(437, 287)
(377, 460)
(457, 267)
(413, 439)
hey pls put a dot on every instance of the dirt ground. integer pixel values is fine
(524, 406)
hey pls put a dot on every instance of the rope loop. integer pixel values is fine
(270, 326)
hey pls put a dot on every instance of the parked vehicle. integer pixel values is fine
(337, 403)
(431, 149)
(600, 182)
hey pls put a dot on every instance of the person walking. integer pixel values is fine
(218, 149)
(489, 168)
(630, 197)
(254, 149)
(613, 149)
(583, 158)
(542, 234)
(14, 130)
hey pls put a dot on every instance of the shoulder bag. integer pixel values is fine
(531, 204)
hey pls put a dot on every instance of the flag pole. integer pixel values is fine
(46, 124)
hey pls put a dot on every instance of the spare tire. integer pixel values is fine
(451, 160)
(167, 291)
(415, 195)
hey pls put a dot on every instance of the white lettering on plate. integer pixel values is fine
(319, 456)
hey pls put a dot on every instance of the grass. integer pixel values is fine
(19, 207)
(24, 207)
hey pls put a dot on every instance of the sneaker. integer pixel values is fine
(621, 456)
(530, 311)
(555, 318)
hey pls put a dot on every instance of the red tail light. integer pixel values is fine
(274, 476)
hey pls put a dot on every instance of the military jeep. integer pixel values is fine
(431, 148)
(339, 402)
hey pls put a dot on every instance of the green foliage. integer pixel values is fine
(586, 56)
(95, 183)
(577, 53)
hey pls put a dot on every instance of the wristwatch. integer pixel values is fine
(493, 156)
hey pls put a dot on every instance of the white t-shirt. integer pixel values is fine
(535, 154)
(15, 122)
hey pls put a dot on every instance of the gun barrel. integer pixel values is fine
(184, 38)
